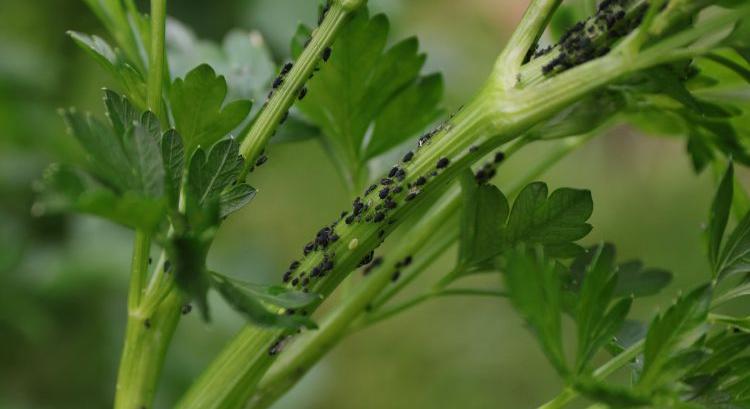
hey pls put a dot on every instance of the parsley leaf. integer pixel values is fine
(554, 222)
(368, 99)
(199, 111)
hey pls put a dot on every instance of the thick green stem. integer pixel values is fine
(156, 56)
(307, 350)
(284, 96)
(146, 342)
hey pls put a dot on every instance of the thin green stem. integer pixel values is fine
(617, 362)
(156, 56)
(283, 97)
(138, 268)
(524, 38)
(378, 316)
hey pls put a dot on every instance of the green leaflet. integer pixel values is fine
(663, 356)
(173, 157)
(212, 177)
(554, 222)
(63, 189)
(198, 108)
(534, 287)
(247, 300)
(110, 59)
(717, 220)
(483, 215)
(598, 315)
(123, 158)
(242, 58)
(368, 89)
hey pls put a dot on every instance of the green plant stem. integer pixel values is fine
(617, 362)
(146, 343)
(526, 35)
(147, 336)
(284, 96)
(156, 56)
(307, 350)
(413, 302)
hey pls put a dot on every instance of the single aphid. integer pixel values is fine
(286, 68)
(442, 163)
(277, 82)
(261, 160)
(409, 155)
(326, 54)
(186, 308)
(384, 192)
(420, 181)
(302, 93)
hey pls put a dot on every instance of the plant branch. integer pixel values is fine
(272, 114)
(156, 56)
(524, 40)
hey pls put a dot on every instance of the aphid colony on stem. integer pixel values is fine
(588, 39)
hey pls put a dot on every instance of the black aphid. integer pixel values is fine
(147, 323)
(295, 281)
(186, 308)
(398, 189)
(379, 217)
(150, 260)
(473, 148)
(367, 259)
(349, 219)
(287, 277)
(261, 160)
(326, 53)
(390, 204)
(409, 155)
(442, 163)
(370, 189)
(395, 276)
(499, 157)
(302, 93)
(420, 181)
(401, 174)
(386, 181)
(384, 192)
(284, 117)
(308, 248)
(286, 68)
(334, 237)
(410, 196)
(393, 171)
(277, 82)
(305, 281)
(294, 265)
(381, 234)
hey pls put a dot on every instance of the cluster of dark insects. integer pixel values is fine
(374, 206)
(591, 38)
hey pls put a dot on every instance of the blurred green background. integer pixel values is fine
(63, 278)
